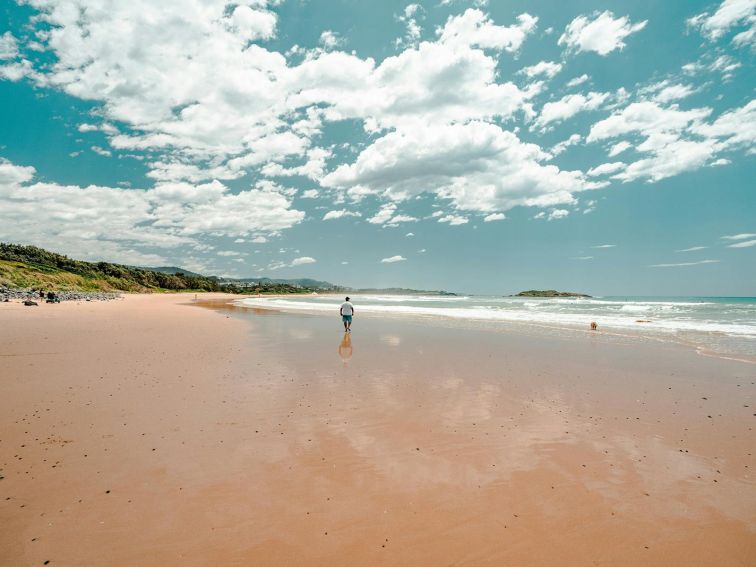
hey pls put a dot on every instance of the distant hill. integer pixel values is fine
(296, 282)
(30, 266)
(549, 293)
(171, 270)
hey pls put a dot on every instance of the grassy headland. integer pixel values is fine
(35, 268)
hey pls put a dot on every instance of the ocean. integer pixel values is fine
(714, 325)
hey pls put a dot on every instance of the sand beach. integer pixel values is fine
(160, 430)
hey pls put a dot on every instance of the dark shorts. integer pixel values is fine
(346, 318)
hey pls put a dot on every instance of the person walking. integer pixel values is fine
(347, 311)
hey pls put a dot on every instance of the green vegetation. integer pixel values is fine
(549, 293)
(307, 283)
(32, 267)
(29, 266)
(265, 288)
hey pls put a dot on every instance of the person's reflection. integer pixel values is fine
(345, 348)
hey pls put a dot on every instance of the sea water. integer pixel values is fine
(722, 325)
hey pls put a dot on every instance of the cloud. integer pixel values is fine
(384, 215)
(692, 249)
(743, 240)
(563, 145)
(123, 222)
(619, 147)
(340, 214)
(494, 217)
(8, 46)
(602, 34)
(743, 244)
(477, 166)
(101, 151)
(722, 64)
(569, 106)
(554, 214)
(393, 259)
(684, 264)
(387, 217)
(582, 257)
(665, 91)
(181, 74)
(676, 140)
(253, 24)
(197, 90)
(729, 14)
(278, 265)
(605, 246)
(474, 28)
(454, 220)
(330, 39)
(606, 169)
(741, 236)
(410, 17)
(12, 66)
(547, 69)
(194, 85)
(577, 81)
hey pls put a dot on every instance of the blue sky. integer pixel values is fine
(482, 147)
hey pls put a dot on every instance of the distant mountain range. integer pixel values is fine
(294, 282)
(297, 282)
(170, 270)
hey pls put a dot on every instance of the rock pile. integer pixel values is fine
(19, 294)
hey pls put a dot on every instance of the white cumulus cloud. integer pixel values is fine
(601, 33)
(337, 214)
(546, 69)
(729, 14)
(568, 106)
(393, 259)
(478, 166)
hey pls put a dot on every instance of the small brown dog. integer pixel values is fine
(594, 326)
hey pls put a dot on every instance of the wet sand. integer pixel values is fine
(149, 431)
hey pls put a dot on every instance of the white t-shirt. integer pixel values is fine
(347, 308)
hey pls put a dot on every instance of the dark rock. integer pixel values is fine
(21, 294)
(549, 293)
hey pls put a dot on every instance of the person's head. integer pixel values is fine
(347, 299)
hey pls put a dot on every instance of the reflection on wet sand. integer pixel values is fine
(345, 348)
(487, 449)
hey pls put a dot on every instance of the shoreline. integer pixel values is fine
(149, 434)
(518, 326)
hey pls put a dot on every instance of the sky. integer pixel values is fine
(471, 146)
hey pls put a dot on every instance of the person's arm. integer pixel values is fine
(341, 311)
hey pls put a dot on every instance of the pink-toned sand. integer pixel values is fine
(150, 431)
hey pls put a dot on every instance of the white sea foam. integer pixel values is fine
(666, 317)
